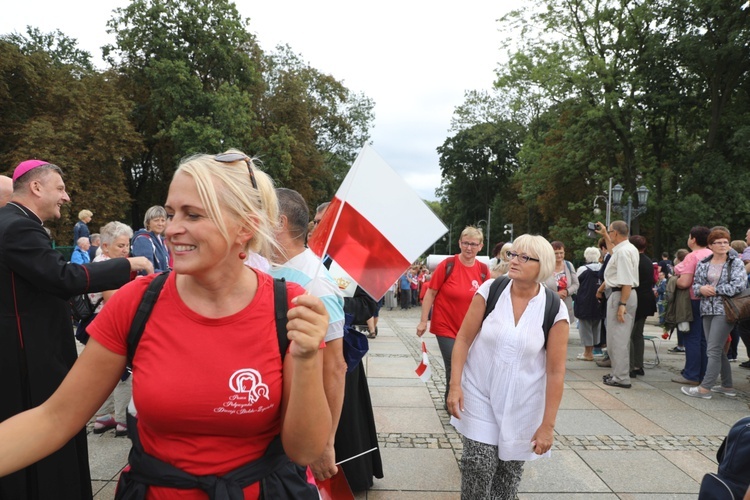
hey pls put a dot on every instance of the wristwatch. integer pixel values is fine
(622, 304)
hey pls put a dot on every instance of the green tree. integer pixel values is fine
(580, 55)
(477, 164)
(201, 83)
(61, 49)
(72, 117)
(325, 124)
(191, 67)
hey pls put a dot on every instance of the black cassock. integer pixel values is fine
(356, 432)
(37, 347)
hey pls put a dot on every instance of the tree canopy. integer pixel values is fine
(645, 92)
(182, 77)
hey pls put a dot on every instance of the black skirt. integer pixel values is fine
(356, 433)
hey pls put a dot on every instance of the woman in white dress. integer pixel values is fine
(505, 391)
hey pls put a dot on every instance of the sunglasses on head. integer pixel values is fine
(233, 157)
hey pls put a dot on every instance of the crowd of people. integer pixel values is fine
(489, 357)
(279, 405)
(221, 276)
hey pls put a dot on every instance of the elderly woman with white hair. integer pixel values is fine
(588, 309)
(115, 242)
(505, 391)
(149, 242)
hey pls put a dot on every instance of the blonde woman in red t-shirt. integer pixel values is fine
(452, 296)
(209, 384)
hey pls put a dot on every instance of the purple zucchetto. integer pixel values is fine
(27, 165)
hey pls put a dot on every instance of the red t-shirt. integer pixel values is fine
(207, 391)
(454, 295)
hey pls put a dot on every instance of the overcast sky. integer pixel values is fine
(414, 58)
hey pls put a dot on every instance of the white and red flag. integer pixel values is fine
(376, 225)
(423, 370)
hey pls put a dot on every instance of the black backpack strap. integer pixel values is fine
(449, 267)
(281, 307)
(154, 289)
(551, 308)
(551, 304)
(143, 313)
(496, 288)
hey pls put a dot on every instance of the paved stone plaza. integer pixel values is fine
(649, 441)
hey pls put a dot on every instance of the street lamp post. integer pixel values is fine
(629, 211)
(598, 211)
(479, 225)
(607, 202)
(489, 223)
(509, 230)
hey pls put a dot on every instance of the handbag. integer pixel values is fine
(355, 344)
(82, 308)
(737, 308)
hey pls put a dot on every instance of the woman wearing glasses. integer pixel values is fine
(214, 397)
(149, 242)
(505, 391)
(451, 288)
(564, 279)
(715, 276)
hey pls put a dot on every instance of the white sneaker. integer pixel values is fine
(727, 391)
(694, 392)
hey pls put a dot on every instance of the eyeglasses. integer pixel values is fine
(523, 258)
(720, 243)
(470, 244)
(233, 157)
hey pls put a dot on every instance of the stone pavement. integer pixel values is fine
(649, 441)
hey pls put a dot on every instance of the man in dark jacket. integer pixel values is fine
(37, 348)
(646, 305)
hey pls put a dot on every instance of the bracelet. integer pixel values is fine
(622, 304)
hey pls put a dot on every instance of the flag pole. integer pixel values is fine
(356, 456)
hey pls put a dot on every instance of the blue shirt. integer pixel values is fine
(79, 256)
(404, 282)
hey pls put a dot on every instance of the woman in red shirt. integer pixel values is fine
(209, 384)
(452, 295)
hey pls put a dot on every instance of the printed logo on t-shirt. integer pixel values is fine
(474, 285)
(249, 396)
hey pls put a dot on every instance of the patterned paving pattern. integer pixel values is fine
(451, 439)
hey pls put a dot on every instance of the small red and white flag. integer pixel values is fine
(376, 225)
(423, 370)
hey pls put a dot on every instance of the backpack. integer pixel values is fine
(279, 477)
(732, 480)
(586, 305)
(551, 305)
(485, 271)
(82, 308)
(672, 301)
(141, 235)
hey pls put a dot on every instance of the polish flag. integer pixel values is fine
(423, 370)
(376, 225)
